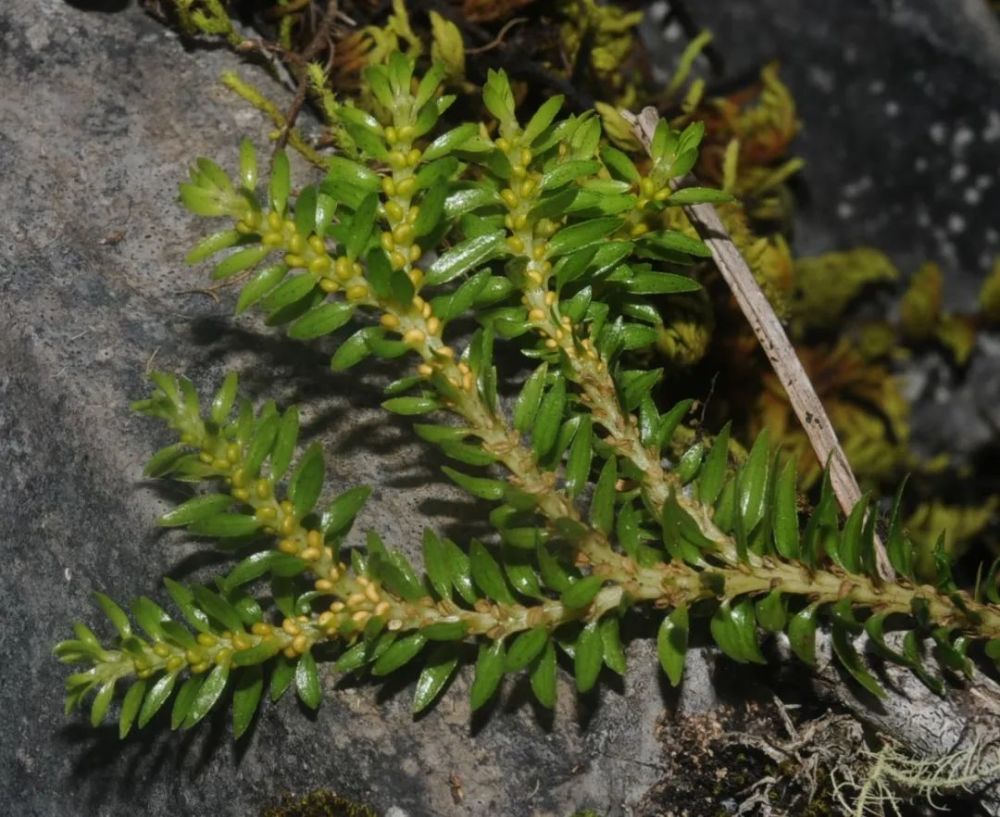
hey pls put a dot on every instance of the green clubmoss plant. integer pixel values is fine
(546, 236)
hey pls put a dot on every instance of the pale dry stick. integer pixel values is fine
(773, 339)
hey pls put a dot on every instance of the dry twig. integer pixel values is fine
(774, 341)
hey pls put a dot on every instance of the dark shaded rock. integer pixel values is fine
(900, 109)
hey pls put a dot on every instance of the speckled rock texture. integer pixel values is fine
(900, 108)
(99, 116)
(101, 108)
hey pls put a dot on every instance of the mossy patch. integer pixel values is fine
(319, 803)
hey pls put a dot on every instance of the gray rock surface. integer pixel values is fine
(99, 115)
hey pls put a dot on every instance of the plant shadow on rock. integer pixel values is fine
(103, 761)
(100, 6)
(338, 403)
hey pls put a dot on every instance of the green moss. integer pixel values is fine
(319, 803)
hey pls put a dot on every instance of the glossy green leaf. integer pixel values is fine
(875, 628)
(184, 599)
(488, 674)
(280, 302)
(734, 629)
(257, 564)
(306, 481)
(669, 422)
(498, 98)
(339, 515)
(260, 444)
(619, 164)
(441, 664)
(713, 472)
(851, 661)
(581, 593)
(639, 385)
(116, 615)
(353, 658)
(225, 526)
(212, 244)
(164, 460)
(522, 576)
(542, 118)
(411, 406)
(185, 700)
(752, 482)
(577, 236)
(699, 195)
(566, 172)
(461, 571)
(436, 565)
(543, 676)
(530, 398)
(431, 208)
(445, 630)
(463, 202)
(130, 707)
(307, 683)
(785, 526)
(672, 642)
(217, 608)
(196, 509)
(481, 487)
(248, 165)
(321, 320)
(470, 454)
(158, 695)
(400, 653)
(678, 242)
(611, 640)
(802, 634)
(527, 646)
(361, 226)
(588, 656)
(246, 698)
(681, 533)
(305, 210)
(899, 549)
(661, 283)
(101, 702)
(548, 419)
(222, 403)
(147, 613)
(282, 675)
(202, 202)
(771, 613)
(465, 257)
(580, 455)
(449, 141)
(264, 651)
(690, 463)
(262, 282)
(553, 573)
(992, 649)
(487, 574)
(280, 183)
(602, 504)
(208, 695)
(239, 261)
(851, 541)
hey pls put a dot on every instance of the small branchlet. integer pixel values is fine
(553, 241)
